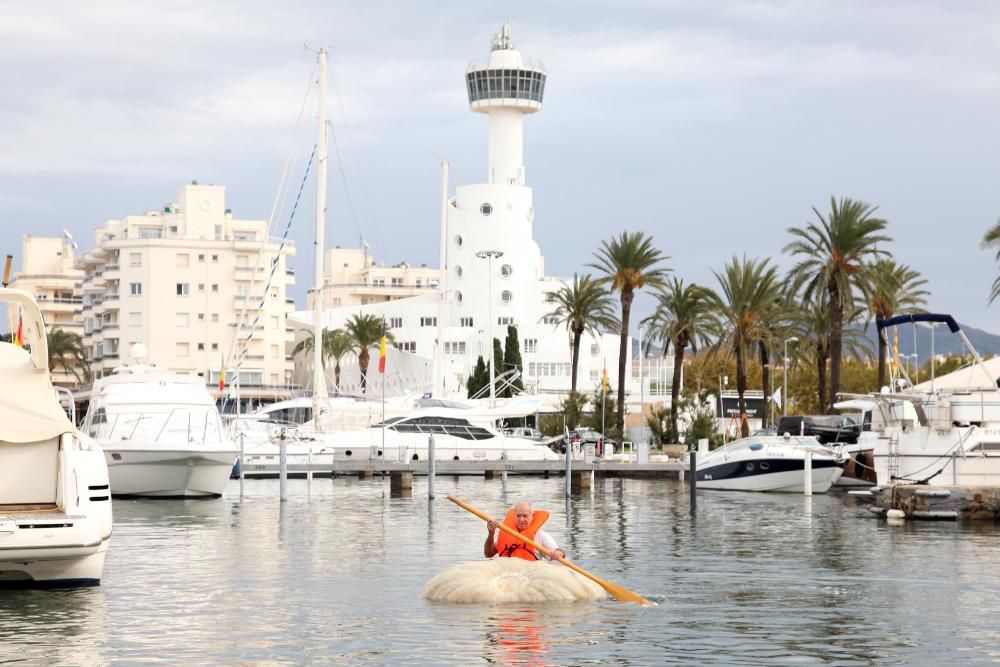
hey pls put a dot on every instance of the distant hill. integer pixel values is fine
(945, 342)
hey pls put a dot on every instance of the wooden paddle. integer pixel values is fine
(617, 592)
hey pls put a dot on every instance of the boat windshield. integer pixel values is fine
(193, 425)
(459, 428)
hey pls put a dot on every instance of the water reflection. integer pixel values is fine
(516, 636)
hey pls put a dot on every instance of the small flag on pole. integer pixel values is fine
(381, 355)
(604, 380)
(222, 375)
(776, 397)
(19, 335)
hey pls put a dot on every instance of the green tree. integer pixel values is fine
(583, 306)
(365, 330)
(478, 379)
(66, 352)
(512, 360)
(629, 262)
(659, 419)
(749, 289)
(892, 289)
(835, 250)
(685, 314)
(602, 417)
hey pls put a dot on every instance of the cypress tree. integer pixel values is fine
(512, 359)
(478, 379)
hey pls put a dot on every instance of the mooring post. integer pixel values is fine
(242, 475)
(282, 468)
(401, 482)
(569, 467)
(309, 470)
(693, 456)
(431, 461)
(807, 482)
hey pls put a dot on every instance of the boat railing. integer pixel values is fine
(199, 429)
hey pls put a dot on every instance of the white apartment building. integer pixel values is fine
(178, 281)
(352, 277)
(48, 273)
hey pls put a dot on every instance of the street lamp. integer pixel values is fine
(489, 255)
(784, 375)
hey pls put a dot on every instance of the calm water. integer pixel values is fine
(335, 577)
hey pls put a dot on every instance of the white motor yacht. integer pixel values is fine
(55, 508)
(161, 433)
(770, 463)
(942, 432)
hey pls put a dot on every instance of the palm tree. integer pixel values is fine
(750, 288)
(835, 252)
(811, 323)
(684, 315)
(892, 289)
(336, 343)
(992, 238)
(66, 352)
(365, 330)
(630, 262)
(582, 306)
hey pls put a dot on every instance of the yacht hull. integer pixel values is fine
(165, 473)
(736, 476)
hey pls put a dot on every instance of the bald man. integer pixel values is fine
(525, 520)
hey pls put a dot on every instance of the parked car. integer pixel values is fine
(525, 432)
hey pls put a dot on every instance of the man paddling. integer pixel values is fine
(527, 522)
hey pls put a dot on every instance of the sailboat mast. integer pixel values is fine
(319, 380)
(438, 374)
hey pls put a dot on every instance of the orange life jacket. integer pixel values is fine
(509, 546)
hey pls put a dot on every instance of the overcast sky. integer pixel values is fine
(713, 126)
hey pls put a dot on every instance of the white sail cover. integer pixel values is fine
(29, 410)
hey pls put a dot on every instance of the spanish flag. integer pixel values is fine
(19, 335)
(604, 380)
(381, 355)
(222, 375)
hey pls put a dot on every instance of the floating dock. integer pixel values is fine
(370, 468)
(949, 503)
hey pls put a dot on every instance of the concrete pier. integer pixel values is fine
(580, 481)
(492, 474)
(366, 473)
(401, 482)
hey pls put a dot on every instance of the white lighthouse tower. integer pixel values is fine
(494, 263)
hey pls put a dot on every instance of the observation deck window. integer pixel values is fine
(486, 208)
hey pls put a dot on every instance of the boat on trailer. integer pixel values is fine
(55, 504)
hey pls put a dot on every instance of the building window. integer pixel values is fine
(466, 322)
(274, 322)
(201, 287)
(506, 296)
(201, 317)
(150, 233)
(458, 297)
(135, 289)
(274, 351)
(135, 259)
(595, 350)
(201, 258)
(458, 240)
(183, 260)
(215, 259)
(428, 321)
(505, 321)
(454, 347)
(397, 282)
(406, 346)
(395, 322)
(135, 319)
(183, 289)
(183, 349)
(242, 290)
(530, 345)
(183, 320)
(378, 282)
(550, 319)
(486, 208)
(201, 347)
(458, 270)
(215, 317)
(419, 282)
(215, 347)
(215, 287)
(506, 270)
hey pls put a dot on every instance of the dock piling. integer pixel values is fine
(282, 468)
(807, 482)
(431, 465)
(693, 457)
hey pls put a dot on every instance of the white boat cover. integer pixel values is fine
(29, 410)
